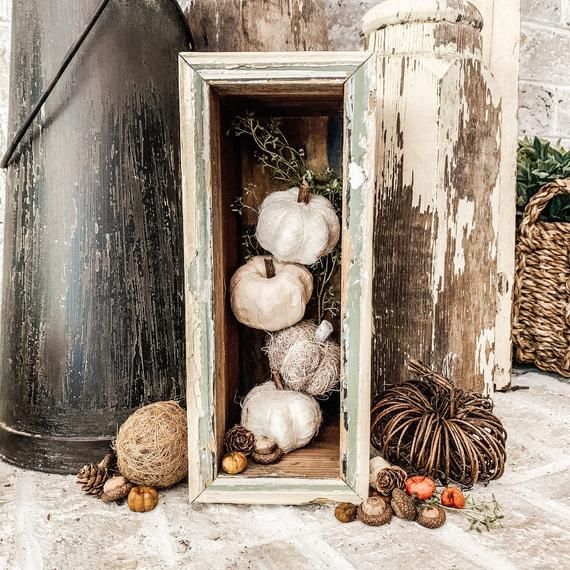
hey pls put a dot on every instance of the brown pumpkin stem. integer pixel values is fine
(304, 193)
(275, 376)
(269, 268)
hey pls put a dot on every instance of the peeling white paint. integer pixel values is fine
(462, 227)
(356, 175)
(485, 356)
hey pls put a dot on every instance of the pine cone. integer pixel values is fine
(92, 477)
(239, 439)
(389, 479)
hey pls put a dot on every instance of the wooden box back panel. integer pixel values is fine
(325, 107)
(315, 124)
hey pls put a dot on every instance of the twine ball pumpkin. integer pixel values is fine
(297, 227)
(290, 418)
(151, 446)
(269, 295)
(429, 427)
(305, 359)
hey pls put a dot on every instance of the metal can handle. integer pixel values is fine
(60, 71)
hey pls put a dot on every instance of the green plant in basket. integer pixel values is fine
(540, 162)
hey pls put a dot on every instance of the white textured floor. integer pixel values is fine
(45, 523)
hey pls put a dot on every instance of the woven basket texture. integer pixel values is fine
(541, 308)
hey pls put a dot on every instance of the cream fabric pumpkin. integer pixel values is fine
(270, 304)
(292, 419)
(297, 232)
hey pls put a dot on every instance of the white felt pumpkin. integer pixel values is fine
(267, 302)
(297, 231)
(291, 418)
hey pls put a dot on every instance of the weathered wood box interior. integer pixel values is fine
(311, 120)
(314, 101)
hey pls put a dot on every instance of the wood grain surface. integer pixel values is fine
(437, 216)
(258, 25)
(319, 460)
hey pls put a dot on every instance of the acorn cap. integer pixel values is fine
(431, 517)
(403, 505)
(264, 445)
(375, 511)
(345, 512)
(266, 458)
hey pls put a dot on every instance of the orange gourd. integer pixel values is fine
(453, 497)
(421, 487)
(142, 499)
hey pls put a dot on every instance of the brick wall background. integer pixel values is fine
(544, 77)
(544, 106)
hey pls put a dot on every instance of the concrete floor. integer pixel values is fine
(46, 523)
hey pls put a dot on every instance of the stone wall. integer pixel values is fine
(544, 79)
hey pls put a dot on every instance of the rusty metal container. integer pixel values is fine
(92, 312)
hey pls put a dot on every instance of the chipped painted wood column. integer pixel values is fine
(436, 215)
(501, 39)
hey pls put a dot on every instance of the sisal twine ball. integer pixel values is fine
(305, 359)
(152, 447)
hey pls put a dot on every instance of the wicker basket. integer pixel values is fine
(541, 310)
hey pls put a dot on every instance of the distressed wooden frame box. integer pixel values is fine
(304, 81)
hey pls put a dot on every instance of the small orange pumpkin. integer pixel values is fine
(453, 497)
(142, 499)
(422, 487)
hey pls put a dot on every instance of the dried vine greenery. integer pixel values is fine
(429, 427)
(286, 163)
(482, 515)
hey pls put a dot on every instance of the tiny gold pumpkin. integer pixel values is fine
(142, 499)
(234, 463)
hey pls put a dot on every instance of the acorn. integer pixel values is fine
(345, 512)
(115, 489)
(375, 511)
(431, 517)
(265, 451)
(403, 505)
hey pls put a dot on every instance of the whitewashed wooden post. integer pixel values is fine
(501, 39)
(437, 211)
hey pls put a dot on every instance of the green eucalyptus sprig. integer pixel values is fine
(287, 163)
(482, 515)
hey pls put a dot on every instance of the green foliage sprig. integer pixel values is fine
(541, 162)
(286, 163)
(481, 514)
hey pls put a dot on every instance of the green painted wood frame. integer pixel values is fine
(245, 73)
